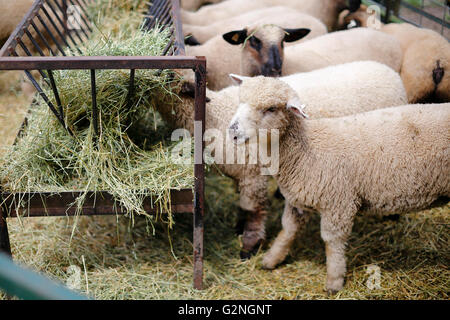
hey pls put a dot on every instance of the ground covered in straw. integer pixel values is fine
(107, 258)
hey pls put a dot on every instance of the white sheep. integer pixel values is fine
(341, 47)
(193, 5)
(326, 11)
(389, 160)
(370, 84)
(262, 53)
(282, 16)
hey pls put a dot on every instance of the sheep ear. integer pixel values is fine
(297, 108)
(353, 5)
(295, 34)
(237, 79)
(235, 37)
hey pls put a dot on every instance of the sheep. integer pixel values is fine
(389, 160)
(371, 84)
(193, 5)
(425, 73)
(11, 14)
(282, 16)
(262, 55)
(425, 70)
(340, 47)
(273, 60)
(325, 10)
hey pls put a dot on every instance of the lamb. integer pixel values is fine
(370, 84)
(394, 159)
(193, 5)
(282, 16)
(262, 55)
(341, 47)
(326, 11)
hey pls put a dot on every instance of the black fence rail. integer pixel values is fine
(431, 14)
(49, 29)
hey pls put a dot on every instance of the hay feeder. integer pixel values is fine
(56, 37)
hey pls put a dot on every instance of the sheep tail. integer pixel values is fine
(438, 74)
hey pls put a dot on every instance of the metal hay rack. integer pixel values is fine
(46, 30)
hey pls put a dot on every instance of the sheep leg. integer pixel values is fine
(253, 200)
(335, 230)
(293, 220)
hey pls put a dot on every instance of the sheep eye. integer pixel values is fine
(255, 43)
(270, 110)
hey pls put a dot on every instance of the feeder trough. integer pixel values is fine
(55, 35)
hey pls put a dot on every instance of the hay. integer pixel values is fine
(129, 167)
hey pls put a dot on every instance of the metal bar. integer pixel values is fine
(106, 62)
(47, 100)
(156, 14)
(199, 171)
(94, 103)
(85, 12)
(5, 245)
(42, 38)
(24, 47)
(64, 10)
(131, 88)
(26, 284)
(33, 41)
(425, 14)
(64, 26)
(50, 34)
(179, 38)
(56, 94)
(59, 32)
(97, 203)
(81, 17)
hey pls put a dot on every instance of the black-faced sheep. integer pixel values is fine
(262, 54)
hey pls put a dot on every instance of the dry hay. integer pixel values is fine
(130, 167)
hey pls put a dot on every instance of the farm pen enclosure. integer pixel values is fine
(50, 31)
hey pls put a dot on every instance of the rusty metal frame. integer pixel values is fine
(163, 12)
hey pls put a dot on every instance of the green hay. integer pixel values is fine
(126, 159)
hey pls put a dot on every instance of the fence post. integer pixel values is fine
(5, 246)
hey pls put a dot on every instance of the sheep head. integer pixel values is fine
(264, 103)
(262, 52)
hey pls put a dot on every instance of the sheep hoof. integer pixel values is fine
(331, 292)
(334, 285)
(268, 265)
(245, 255)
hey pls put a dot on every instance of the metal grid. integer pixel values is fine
(44, 30)
(432, 14)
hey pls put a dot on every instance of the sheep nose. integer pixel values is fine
(233, 126)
